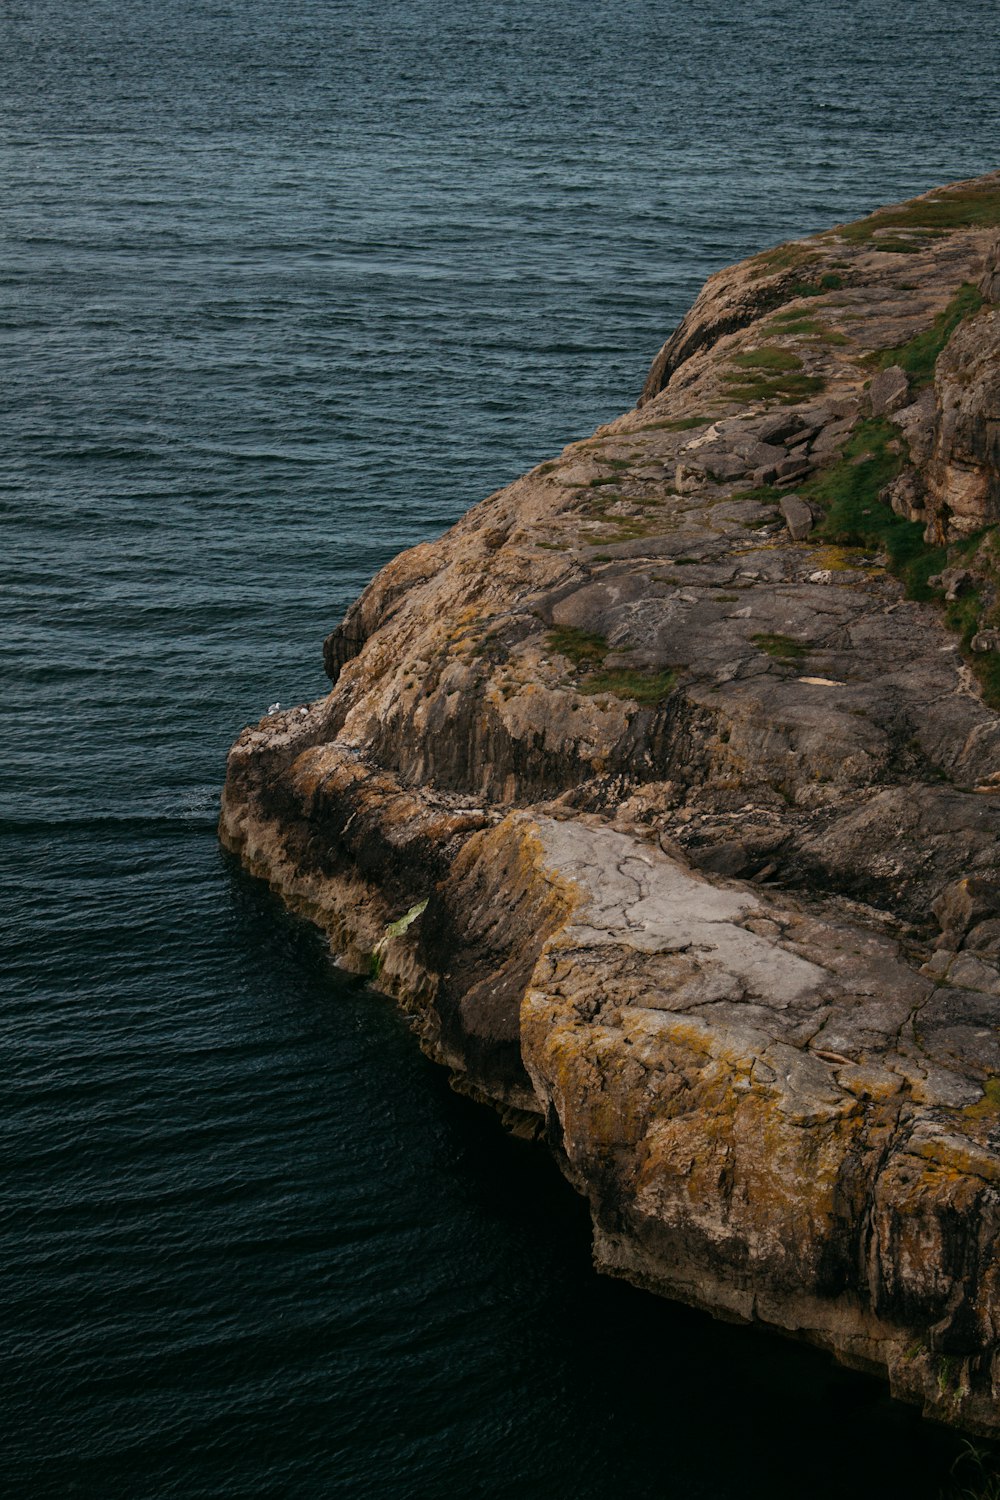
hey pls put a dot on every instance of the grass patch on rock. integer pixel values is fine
(646, 688)
(581, 647)
(839, 559)
(919, 356)
(675, 424)
(628, 531)
(855, 517)
(791, 256)
(765, 494)
(849, 491)
(963, 207)
(783, 648)
(965, 616)
(799, 325)
(587, 650)
(623, 529)
(828, 282)
(988, 1105)
(770, 373)
(896, 245)
(787, 391)
(794, 321)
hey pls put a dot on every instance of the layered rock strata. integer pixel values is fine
(664, 792)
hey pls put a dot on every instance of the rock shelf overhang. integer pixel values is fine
(664, 793)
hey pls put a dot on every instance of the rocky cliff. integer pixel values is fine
(664, 792)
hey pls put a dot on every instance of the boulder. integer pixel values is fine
(905, 496)
(889, 391)
(798, 517)
(955, 582)
(916, 422)
(780, 427)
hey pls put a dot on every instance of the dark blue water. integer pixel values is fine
(284, 289)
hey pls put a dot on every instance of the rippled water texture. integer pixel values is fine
(286, 287)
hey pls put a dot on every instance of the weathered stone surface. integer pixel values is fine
(783, 427)
(956, 582)
(989, 282)
(905, 495)
(790, 469)
(964, 470)
(798, 517)
(916, 422)
(675, 824)
(889, 391)
(964, 904)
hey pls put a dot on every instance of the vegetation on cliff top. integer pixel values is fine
(849, 492)
(966, 206)
(920, 355)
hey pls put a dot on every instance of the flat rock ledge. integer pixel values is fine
(663, 793)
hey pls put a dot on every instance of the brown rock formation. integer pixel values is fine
(963, 479)
(665, 795)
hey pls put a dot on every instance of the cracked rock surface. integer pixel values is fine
(668, 806)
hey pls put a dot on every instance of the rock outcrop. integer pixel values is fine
(964, 470)
(664, 793)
